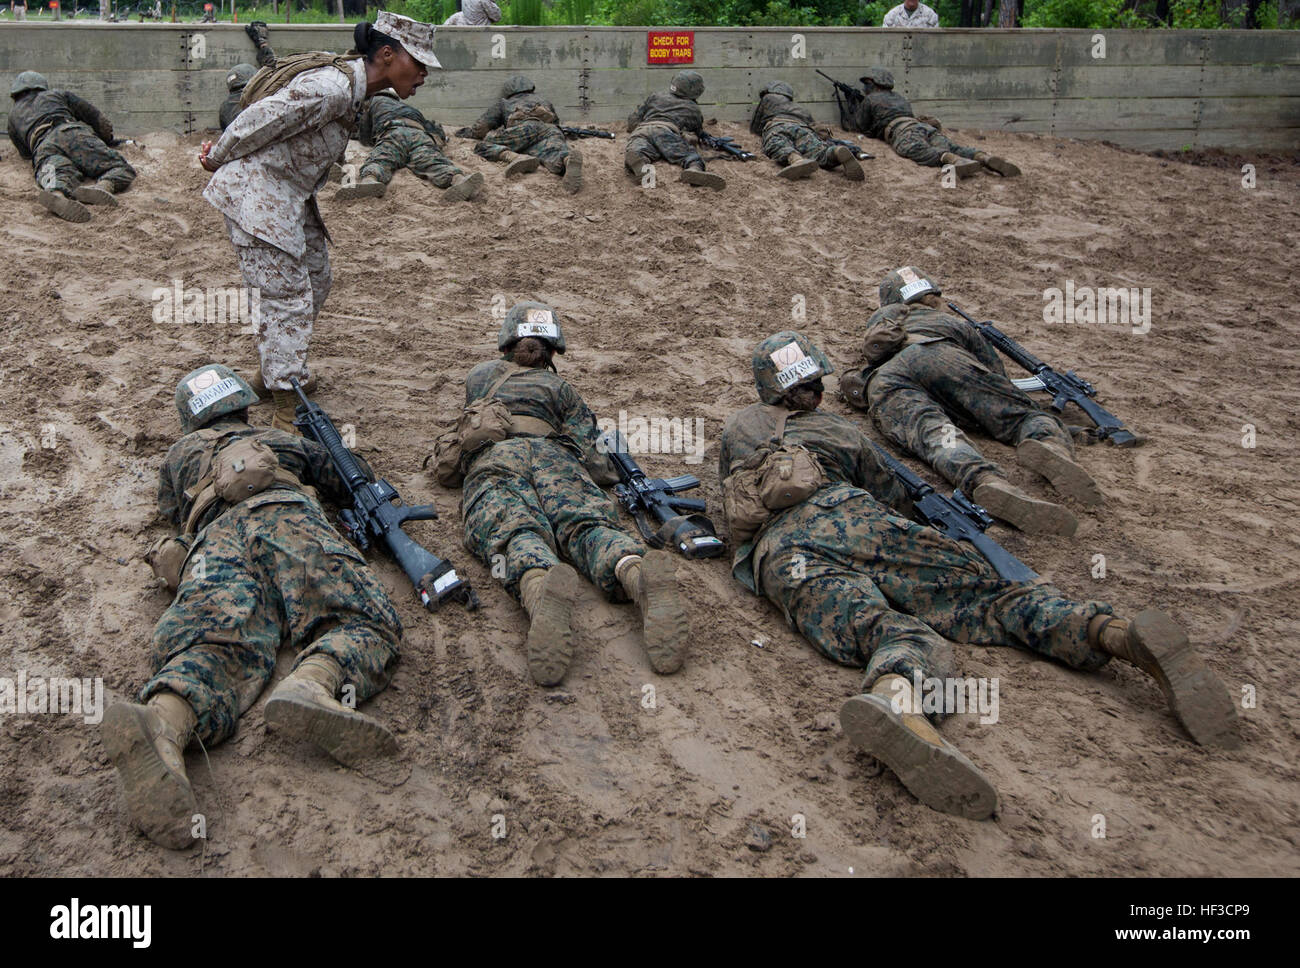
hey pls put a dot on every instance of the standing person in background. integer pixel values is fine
(911, 14)
(273, 159)
(474, 13)
(18, 8)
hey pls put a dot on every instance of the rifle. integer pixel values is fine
(677, 519)
(858, 153)
(726, 145)
(851, 94)
(377, 511)
(1064, 388)
(587, 133)
(959, 518)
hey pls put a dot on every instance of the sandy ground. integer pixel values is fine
(665, 292)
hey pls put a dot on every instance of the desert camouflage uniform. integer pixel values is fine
(274, 158)
(265, 572)
(786, 126)
(528, 137)
(948, 375)
(659, 126)
(66, 138)
(909, 138)
(402, 137)
(869, 587)
(530, 498)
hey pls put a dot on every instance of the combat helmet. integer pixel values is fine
(210, 392)
(785, 361)
(906, 285)
(778, 87)
(879, 77)
(28, 81)
(518, 84)
(239, 77)
(687, 84)
(535, 319)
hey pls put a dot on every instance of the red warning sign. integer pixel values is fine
(670, 47)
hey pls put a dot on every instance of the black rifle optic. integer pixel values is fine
(587, 133)
(378, 512)
(727, 146)
(1064, 387)
(960, 519)
(660, 515)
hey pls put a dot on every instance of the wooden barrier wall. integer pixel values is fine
(1152, 89)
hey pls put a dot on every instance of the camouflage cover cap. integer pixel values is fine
(415, 36)
(28, 81)
(688, 84)
(518, 84)
(239, 76)
(534, 319)
(778, 87)
(785, 361)
(906, 285)
(210, 392)
(878, 76)
(886, 334)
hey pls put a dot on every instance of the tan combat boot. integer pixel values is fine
(1032, 515)
(1003, 167)
(888, 724)
(68, 209)
(100, 193)
(286, 408)
(963, 167)
(517, 164)
(572, 180)
(463, 187)
(1054, 462)
(651, 582)
(636, 163)
(258, 385)
(367, 187)
(303, 707)
(851, 167)
(796, 167)
(147, 746)
(703, 179)
(549, 596)
(1154, 643)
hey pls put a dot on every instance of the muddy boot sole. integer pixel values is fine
(160, 802)
(464, 191)
(360, 190)
(1003, 167)
(348, 736)
(1196, 696)
(965, 168)
(572, 180)
(667, 629)
(939, 776)
(852, 169)
(802, 169)
(703, 179)
(1025, 513)
(1065, 475)
(90, 195)
(522, 166)
(68, 209)
(550, 632)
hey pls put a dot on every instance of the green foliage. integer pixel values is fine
(1073, 13)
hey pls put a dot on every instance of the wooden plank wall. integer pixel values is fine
(1152, 89)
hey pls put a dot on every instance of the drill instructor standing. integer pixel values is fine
(273, 159)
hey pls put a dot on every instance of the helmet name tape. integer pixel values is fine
(918, 288)
(792, 365)
(206, 398)
(547, 330)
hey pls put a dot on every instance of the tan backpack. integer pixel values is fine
(268, 80)
(484, 422)
(775, 477)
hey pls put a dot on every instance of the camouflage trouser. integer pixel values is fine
(869, 588)
(780, 139)
(656, 143)
(405, 147)
(918, 397)
(259, 577)
(72, 152)
(530, 500)
(537, 138)
(925, 145)
(292, 292)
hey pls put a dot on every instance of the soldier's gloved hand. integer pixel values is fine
(257, 32)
